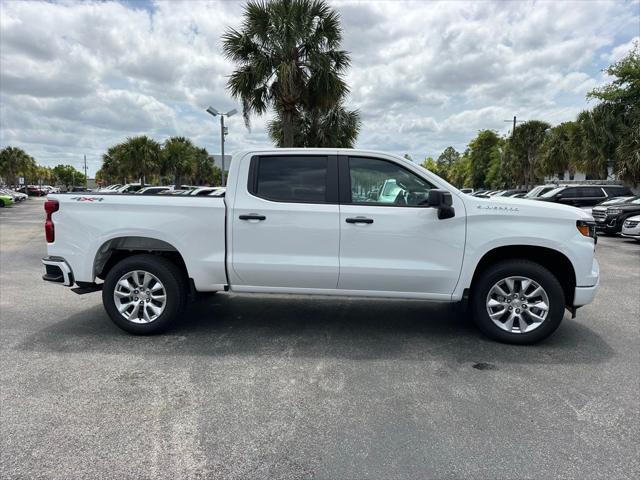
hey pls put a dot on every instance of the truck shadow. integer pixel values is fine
(228, 325)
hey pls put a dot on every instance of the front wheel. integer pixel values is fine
(517, 301)
(144, 294)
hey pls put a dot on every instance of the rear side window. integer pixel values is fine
(592, 192)
(296, 179)
(617, 191)
(572, 192)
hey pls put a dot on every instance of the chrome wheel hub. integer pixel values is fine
(517, 304)
(139, 296)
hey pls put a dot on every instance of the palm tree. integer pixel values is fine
(289, 58)
(113, 165)
(335, 127)
(526, 148)
(140, 157)
(178, 158)
(16, 162)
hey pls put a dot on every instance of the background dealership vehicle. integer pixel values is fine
(302, 221)
(631, 227)
(583, 195)
(5, 200)
(611, 219)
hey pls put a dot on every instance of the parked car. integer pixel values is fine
(202, 191)
(128, 188)
(611, 220)
(6, 200)
(16, 196)
(583, 195)
(32, 190)
(631, 227)
(600, 210)
(511, 193)
(539, 190)
(289, 226)
(152, 190)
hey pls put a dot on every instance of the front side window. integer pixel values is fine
(379, 182)
(292, 179)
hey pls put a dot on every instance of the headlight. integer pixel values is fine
(614, 211)
(587, 228)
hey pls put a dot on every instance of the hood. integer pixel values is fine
(528, 207)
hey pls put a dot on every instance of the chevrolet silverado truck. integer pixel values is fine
(318, 222)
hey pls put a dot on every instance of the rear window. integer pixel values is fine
(291, 178)
(617, 191)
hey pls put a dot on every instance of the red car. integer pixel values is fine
(33, 191)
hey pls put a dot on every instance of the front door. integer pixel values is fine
(390, 241)
(285, 227)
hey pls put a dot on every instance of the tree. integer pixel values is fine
(113, 170)
(205, 172)
(15, 162)
(289, 59)
(562, 149)
(525, 148)
(67, 175)
(140, 157)
(336, 127)
(480, 149)
(178, 158)
(613, 126)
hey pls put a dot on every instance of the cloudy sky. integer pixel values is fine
(78, 77)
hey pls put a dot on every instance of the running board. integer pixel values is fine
(83, 288)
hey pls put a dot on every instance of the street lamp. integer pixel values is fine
(223, 131)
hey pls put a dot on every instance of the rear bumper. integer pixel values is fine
(57, 270)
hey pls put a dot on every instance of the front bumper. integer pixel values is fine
(57, 270)
(585, 295)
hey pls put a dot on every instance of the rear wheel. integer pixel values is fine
(144, 294)
(517, 301)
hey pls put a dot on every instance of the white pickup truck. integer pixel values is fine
(317, 222)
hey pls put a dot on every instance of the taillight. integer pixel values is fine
(50, 206)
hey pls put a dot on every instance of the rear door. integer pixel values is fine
(390, 241)
(286, 223)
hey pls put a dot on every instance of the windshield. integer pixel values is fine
(552, 192)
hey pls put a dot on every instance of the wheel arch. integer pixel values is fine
(553, 260)
(116, 249)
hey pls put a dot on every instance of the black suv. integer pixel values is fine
(611, 219)
(583, 195)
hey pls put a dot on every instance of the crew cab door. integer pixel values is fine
(285, 224)
(388, 242)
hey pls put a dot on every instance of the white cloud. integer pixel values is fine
(77, 77)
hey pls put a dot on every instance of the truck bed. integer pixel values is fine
(88, 223)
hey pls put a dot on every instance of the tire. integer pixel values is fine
(1, 203)
(123, 286)
(487, 296)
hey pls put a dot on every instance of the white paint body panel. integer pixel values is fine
(310, 249)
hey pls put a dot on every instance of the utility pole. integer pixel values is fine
(513, 131)
(223, 132)
(85, 172)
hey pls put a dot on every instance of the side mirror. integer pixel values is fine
(442, 200)
(558, 196)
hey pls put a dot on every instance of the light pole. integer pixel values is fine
(223, 131)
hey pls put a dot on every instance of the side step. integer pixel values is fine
(87, 287)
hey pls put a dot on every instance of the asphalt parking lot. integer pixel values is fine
(278, 387)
